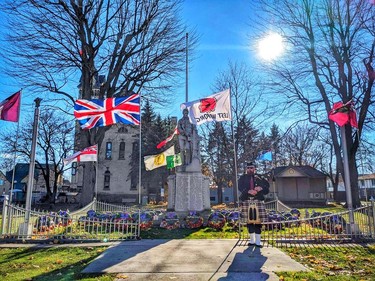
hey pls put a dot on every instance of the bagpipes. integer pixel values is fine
(253, 213)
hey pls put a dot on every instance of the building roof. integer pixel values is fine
(367, 177)
(308, 171)
(22, 171)
(2, 176)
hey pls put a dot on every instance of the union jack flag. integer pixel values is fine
(99, 113)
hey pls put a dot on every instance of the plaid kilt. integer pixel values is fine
(245, 210)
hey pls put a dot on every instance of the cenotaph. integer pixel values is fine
(188, 189)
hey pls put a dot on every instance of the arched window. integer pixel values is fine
(121, 154)
(74, 168)
(107, 179)
(122, 130)
(108, 150)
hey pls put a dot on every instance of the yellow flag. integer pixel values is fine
(159, 160)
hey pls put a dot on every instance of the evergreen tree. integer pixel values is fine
(219, 151)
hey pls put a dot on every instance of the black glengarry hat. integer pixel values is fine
(251, 164)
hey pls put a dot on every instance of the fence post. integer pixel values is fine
(5, 215)
(373, 217)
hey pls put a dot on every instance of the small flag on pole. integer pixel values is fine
(343, 114)
(168, 139)
(10, 108)
(213, 108)
(266, 156)
(156, 161)
(174, 161)
(88, 154)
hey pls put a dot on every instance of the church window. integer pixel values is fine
(107, 179)
(108, 150)
(121, 154)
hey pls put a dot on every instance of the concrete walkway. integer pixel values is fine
(182, 259)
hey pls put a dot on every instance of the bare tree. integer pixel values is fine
(137, 45)
(248, 108)
(329, 58)
(298, 144)
(54, 142)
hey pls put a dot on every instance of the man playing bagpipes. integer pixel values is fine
(253, 187)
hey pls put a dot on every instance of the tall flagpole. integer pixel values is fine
(235, 189)
(140, 166)
(140, 152)
(15, 152)
(14, 164)
(347, 178)
(187, 69)
(97, 175)
(26, 227)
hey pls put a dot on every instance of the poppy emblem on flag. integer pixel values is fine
(207, 105)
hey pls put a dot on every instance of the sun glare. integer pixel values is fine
(271, 46)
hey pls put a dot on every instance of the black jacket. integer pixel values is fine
(244, 186)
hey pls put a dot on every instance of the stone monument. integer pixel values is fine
(188, 190)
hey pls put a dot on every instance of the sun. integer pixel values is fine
(271, 46)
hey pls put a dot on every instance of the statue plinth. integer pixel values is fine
(188, 191)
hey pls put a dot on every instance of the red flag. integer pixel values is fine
(10, 108)
(168, 139)
(343, 114)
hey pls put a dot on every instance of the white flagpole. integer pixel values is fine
(187, 69)
(14, 164)
(15, 152)
(96, 176)
(140, 165)
(140, 152)
(235, 190)
(30, 182)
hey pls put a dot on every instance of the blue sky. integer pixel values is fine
(223, 26)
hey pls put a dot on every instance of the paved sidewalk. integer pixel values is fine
(183, 259)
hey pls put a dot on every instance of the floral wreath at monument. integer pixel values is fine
(45, 223)
(194, 220)
(64, 218)
(233, 219)
(170, 221)
(122, 220)
(216, 220)
(146, 220)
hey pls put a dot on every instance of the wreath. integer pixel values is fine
(63, 218)
(145, 220)
(233, 219)
(45, 223)
(122, 221)
(216, 220)
(170, 224)
(170, 221)
(194, 222)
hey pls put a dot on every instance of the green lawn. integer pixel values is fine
(340, 263)
(48, 264)
(333, 263)
(330, 263)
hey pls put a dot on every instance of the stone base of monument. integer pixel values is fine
(188, 191)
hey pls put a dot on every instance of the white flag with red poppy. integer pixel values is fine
(212, 108)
